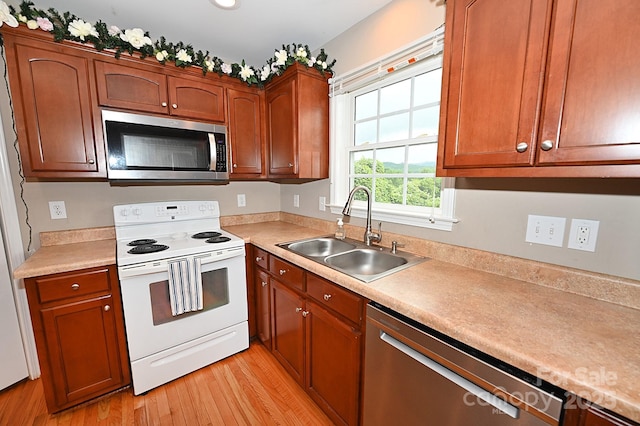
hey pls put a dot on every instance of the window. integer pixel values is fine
(385, 137)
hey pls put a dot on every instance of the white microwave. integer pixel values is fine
(150, 148)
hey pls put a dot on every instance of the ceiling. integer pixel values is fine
(251, 32)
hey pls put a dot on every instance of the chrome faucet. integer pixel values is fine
(369, 235)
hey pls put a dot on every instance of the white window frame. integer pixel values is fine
(370, 77)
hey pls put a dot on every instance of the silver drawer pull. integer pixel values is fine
(305, 313)
(522, 147)
(283, 271)
(546, 145)
(298, 309)
(164, 104)
(259, 259)
(175, 106)
(75, 286)
(264, 283)
(107, 308)
(327, 297)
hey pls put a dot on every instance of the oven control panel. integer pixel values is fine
(165, 211)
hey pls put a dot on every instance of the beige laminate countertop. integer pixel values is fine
(583, 345)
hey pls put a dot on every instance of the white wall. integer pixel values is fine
(493, 212)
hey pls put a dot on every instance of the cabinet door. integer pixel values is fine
(333, 364)
(57, 133)
(83, 349)
(263, 308)
(287, 329)
(592, 108)
(245, 133)
(281, 129)
(120, 86)
(197, 99)
(492, 86)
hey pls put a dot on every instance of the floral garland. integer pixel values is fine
(69, 27)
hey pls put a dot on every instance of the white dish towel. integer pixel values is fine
(185, 286)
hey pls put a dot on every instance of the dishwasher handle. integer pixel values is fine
(467, 385)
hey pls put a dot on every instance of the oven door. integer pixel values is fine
(152, 328)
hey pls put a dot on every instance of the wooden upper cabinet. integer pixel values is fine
(297, 121)
(245, 132)
(591, 113)
(58, 131)
(553, 93)
(127, 87)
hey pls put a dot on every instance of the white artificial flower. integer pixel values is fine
(135, 37)
(264, 73)
(162, 55)
(32, 24)
(324, 65)
(226, 68)
(79, 28)
(301, 52)
(22, 18)
(274, 68)
(183, 56)
(209, 65)
(281, 57)
(6, 17)
(246, 72)
(312, 61)
(114, 31)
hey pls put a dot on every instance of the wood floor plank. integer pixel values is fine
(249, 388)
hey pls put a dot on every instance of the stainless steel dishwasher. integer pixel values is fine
(415, 376)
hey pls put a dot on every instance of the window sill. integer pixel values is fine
(419, 220)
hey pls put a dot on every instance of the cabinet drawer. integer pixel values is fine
(260, 258)
(287, 273)
(73, 284)
(335, 298)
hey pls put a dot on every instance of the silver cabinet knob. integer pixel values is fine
(305, 313)
(92, 161)
(175, 106)
(283, 271)
(298, 309)
(290, 164)
(164, 104)
(522, 147)
(107, 308)
(259, 259)
(235, 165)
(546, 145)
(327, 297)
(264, 283)
(75, 286)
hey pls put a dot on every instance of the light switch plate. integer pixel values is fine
(547, 230)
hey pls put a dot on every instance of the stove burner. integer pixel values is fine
(141, 242)
(207, 234)
(147, 248)
(218, 239)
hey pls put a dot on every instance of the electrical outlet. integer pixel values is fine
(57, 210)
(547, 230)
(296, 200)
(322, 204)
(242, 200)
(583, 234)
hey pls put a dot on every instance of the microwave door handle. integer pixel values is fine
(212, 152)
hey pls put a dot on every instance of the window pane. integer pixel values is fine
(422, 158)
(425, 122)
(424, 192)
(389, 190)
(365, 132)
(367, 105)
(361, 163)
(395, 127)
(395, 97)
(392, 159)
(427, 88)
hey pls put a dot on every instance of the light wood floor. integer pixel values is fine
(249, 388)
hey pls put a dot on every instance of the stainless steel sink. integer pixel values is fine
(354, 258)
(320, 247)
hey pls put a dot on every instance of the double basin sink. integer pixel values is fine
(354, 258)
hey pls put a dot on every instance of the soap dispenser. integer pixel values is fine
(340, 234)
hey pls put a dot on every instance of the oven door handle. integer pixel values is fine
(467, 385)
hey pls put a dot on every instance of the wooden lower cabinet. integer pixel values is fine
(314, 329)
(592, 415)
(79, 330)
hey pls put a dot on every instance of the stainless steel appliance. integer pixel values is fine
(156, 244)
(150, 148)
(413, 377)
